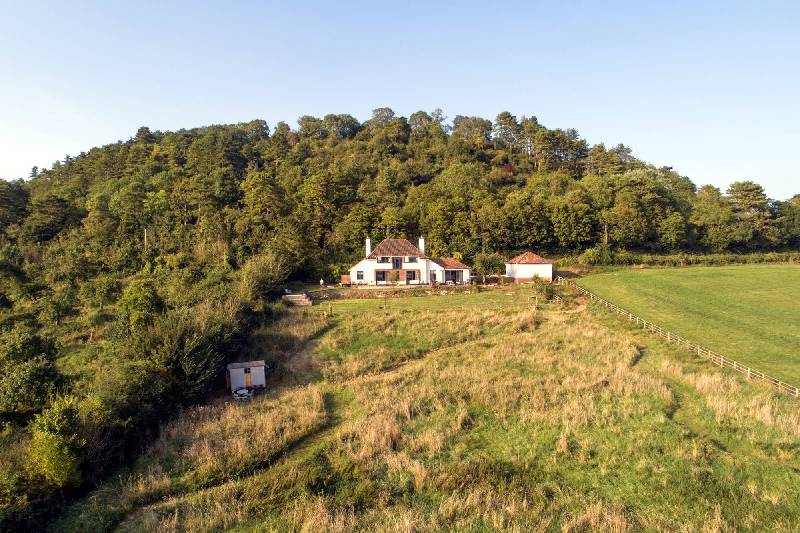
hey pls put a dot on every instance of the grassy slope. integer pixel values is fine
(749, 313)
(468, 412)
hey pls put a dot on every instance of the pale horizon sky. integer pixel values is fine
(709, 89)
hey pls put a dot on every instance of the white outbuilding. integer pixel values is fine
(528, 266)
(250, 375)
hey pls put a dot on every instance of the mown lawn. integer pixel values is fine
(473, 412)
(750, 313)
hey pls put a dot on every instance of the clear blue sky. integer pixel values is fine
(708, 88)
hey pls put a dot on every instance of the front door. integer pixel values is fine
(397, 263)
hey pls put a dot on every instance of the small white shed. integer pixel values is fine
(250, 374)
(527, 266)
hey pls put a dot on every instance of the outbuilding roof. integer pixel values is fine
(529, 258)
(449, 262)
(246, 364)
(395, 247)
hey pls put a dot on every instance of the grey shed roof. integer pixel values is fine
(246, 364)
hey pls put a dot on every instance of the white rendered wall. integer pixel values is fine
(523, 271)
(368, 267)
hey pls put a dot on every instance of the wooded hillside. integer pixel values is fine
(313, 193)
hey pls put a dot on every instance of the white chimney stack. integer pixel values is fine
(421, 245)
(369, 247)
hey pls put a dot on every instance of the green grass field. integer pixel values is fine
(750, 313)
(473, 412)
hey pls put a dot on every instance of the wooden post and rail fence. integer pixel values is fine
(717, 359)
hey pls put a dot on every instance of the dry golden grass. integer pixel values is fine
(506, 418)
(599, 517)
(212, 444)
(374, 342)
(724, 397)
(218, 442)
(313, 516)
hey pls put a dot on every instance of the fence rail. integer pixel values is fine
(717, 359)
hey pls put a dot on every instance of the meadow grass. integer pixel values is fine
(483, 414)
(749, 313)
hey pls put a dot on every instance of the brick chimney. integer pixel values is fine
(368, 247)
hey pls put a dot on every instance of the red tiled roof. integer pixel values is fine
(449, 262)
(529, 258)
(396, 248)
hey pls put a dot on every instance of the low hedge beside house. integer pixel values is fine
(598, 256)
(348, 293)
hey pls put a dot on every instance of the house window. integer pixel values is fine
(433, 277)
(411, 275)
(383, 260)
(397, 263)
(380, 276)
(411, 259)
(359, 275)
(453, 276)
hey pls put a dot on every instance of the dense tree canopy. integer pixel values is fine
(478, 186)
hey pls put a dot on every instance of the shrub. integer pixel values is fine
(598, 255)
(624, 257)
(128, 400)
(486, 264)
(545, 288)
(58, 305)
(140, 303)
(99, 292)
(193, 346)
(603, 255)
(22, 342)
(27, 373)
(260, 274)
(55, 442)
(26, 386)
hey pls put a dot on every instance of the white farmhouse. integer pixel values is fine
(527, 266)
(399, 261)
